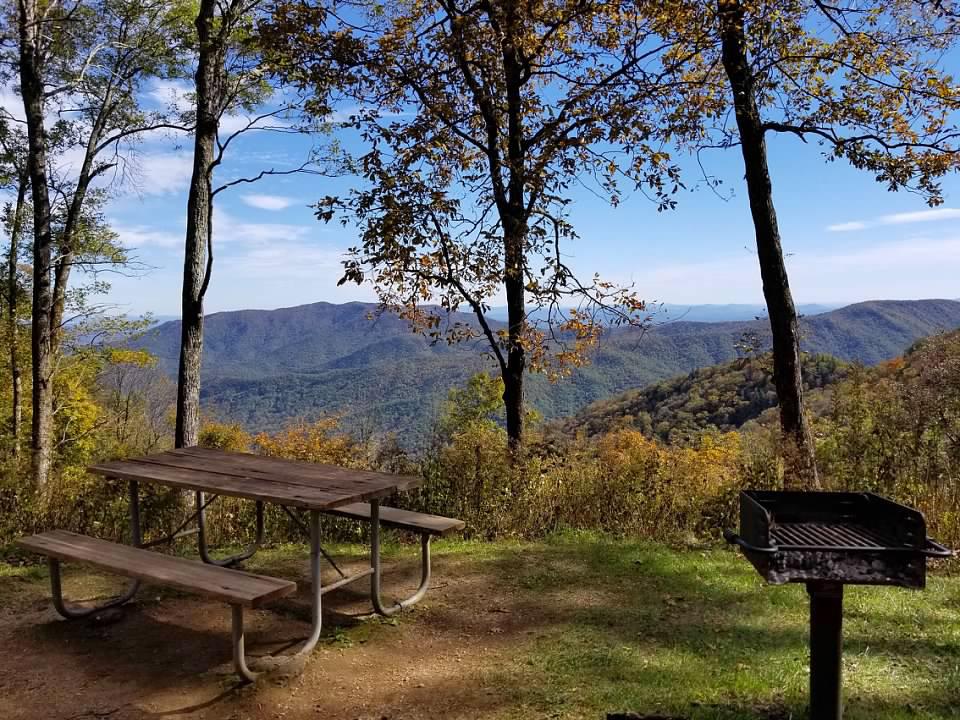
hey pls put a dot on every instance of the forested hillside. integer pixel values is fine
(262, 368)
(720, 397)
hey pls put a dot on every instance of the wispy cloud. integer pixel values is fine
(228, 229)
(172, 94)
(913, 268)
(267, 202)
(284, 259)
(162, 173)
(141, 236)
(921, 216)
(848, 226)
(907, 218)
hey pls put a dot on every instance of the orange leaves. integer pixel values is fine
(320, 441)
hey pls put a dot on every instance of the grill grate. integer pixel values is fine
(823, 534)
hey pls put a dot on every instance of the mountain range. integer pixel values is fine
(264, 367)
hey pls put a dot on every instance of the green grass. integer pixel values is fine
(698, 634)
(603, 625)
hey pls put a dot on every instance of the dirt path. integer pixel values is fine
(168, 655)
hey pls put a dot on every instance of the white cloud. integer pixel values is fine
(230, 123)
(933, 215)
(172, 94)
(141, 236)
(847, 226)
(267, 202)
(906, 218)
(163, 173)
(283, 259)
(227, 229)
(11, 103)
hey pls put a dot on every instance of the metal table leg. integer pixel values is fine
(202, 537)
(375, 597)
(316, 588)
(265, 664)
(56, 587)
(826, 650)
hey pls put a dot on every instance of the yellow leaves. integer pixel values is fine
(321, 442)
(126, 356)
(224, 436)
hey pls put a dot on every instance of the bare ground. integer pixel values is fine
(167, 655)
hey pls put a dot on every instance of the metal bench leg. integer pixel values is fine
(239, 655)
(202, 537)
(56, 588)
(375, 562)
(77, 613)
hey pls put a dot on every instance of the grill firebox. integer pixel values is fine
(828, 540)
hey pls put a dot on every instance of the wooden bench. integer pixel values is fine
(236, 588)
(435, 525)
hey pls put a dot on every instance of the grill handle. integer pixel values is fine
(734, 539)
(936, 550)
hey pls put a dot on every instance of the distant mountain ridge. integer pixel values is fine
(264, 367)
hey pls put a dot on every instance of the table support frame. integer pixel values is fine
(425, 571)
(246, 554)
(56, 585)
(317, 590)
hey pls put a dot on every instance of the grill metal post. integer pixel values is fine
(826, 650)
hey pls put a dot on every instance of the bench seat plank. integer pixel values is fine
(230, 586)
(402, 519)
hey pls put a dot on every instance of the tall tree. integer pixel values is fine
(15, 175)
(228, 78)
(87, 63)
(787, 376)
(479, 117)
(198, 251)
(33, 50)
(866, 82)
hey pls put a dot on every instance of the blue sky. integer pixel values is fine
(848, 239)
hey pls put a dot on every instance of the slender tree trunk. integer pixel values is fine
(513, 217)
(31, 89)
(197, 256)
(800, 451)
(13, 326)
(516, 357)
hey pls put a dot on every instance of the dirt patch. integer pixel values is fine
(168, 655)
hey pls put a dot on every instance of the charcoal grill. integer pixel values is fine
(828, 540)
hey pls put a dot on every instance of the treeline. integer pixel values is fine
(892, 429)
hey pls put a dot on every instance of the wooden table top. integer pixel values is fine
(273, 480)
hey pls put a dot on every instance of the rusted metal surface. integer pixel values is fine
(853, 538)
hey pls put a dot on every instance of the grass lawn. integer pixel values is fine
(697, 633)
(579, 625)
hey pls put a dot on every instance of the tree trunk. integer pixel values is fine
(13, 326)
(516, 357)
(31, 89)
(799, 452)
(513, 220)
(197, 256)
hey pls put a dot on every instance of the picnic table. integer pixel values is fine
(317, 488)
